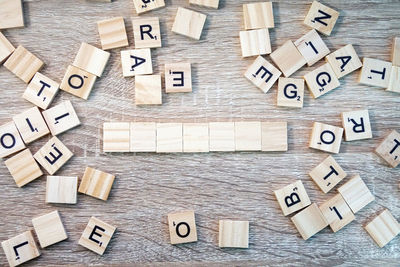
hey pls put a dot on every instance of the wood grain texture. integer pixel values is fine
(234, 186)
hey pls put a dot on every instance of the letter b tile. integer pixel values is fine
(292, 198)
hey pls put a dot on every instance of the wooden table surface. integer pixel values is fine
(216, 185)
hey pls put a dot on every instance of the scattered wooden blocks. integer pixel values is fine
(312, 47)
(396, 52)
(31, 125)
(328, 174)
(262, 74)
(248, 136)
(336, 212)
(136, 62)
(195, 137)
(394, 82)
(169, 137)
(344, 61)
(97, 235)
(222, 136)
(375, 72)
(309, 221)
(23, 168)
(292, 198)
(78, 82)
(112, 33)
(6, 48)
(11, 14)
(356, 194)
(96, 183)
(61, 189)
(322, 18)
(288, 58)
(326, 137)
(41, 91)
(143, 137)
(21, 248)
(233, 234)
(258, 15)
(178, 78)
(182, 227)
(205, 3)
(321, 80)
(189, 23)
(255, 42)
(148, 90)
(383, 228)
(389, 149)
(143, 6)
(356, 125)
(91, 59)
(116, 137)
(274, 136)
(49, 229)
(61, 118)
(146, 32)
(290, 92)
(10, 140)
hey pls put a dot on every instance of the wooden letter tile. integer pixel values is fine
(233, 234)
(182, 227)
(61, 118)
(195, 137)
(321, 80)
(328, 174)
(41, 91)
(389, 149)
(292, 198)
(91, 59)
(169, 137)
(326, 137)
(23, 168)
(146, 32)
(49, 229)
(312, 47)
(356, 125)
(394, 82)
(97, 235)
(258, 15)
(336, 212)
(274, 136)
(136, 62)
(143, 6)
(96, 183)
(78, 82)
(10, 140)
(112, 33)
(288, 58)
(248, 136)
(262, 74)
(21, 248)
(309, 221)
(222, 136)
(290, 92)
(178, 78)
(383, 228)
(31, 125)
(116, 137)
(143, 137)
(396, 52)
(148, 90)
(61, 189)
(322, 18)
(6, 48)
(344, 61)
(189, 23)
(205, 3)
(255, 42)
(11, 14)
(375, 72)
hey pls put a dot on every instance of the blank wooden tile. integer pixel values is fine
(189, 23)
(222, 136)
(61, 189)
(169, 137)
(6, 48)
(20, 249)
(11, 14)
(394, 82)
(136, 62)
(53, 155)
(10, 140)
(97, 235)
(112, 33)
(309, 221)
(148, 90)
(255, 42)
(344, 61)
(143, 137)
(116, 137)
(23, 64)
(292, 198)
(195, 137)
(290, 92)
(375, 72)
(233, 234)
(328, 174)
(321, 80)
(288, 58)
(326, 137)
(336, 212)
(143, 6)
(78, 82)
(146, 32)
(91, 59)
(356, 125)
(61, 118)
(178, 77)
(356, 193)
(274, 136)
(262, 74)
(248, 136)
(182, 227)
(383, 228)
(23, 168)
(312, 47)
(389, 149)
(322, 18)
(205, 3)
(396, 52)
(258, 15)
(96, 183)
(49, 229)
(31, 125)
(41, 91)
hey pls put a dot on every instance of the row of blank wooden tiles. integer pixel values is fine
(194, 137)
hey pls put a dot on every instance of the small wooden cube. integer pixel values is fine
(344, 61)
(233, 234)
(292, 198)
(116, 137)
(326, 137)
(222, 136)
(23, 168)
(274, 136)
(356, 194)
(375, 72)
(178, 78)
(146, 32)
(21, 248)
(389, 150)
(78, 82)
(169, 137)
(112, 33)
(290, 92)
(309, 221)
(336, 212)
(23, 64)
(312, 47)
(383, 228)
(148, 90)
(189, 23)
(262, 74)
(53, 155)
(205, 3)
(322, 18)
(356, 125)
(91, 59)
(396, 52)
(6, 48)
(11, 14)
(143, 137)
(97, 235)
(328, 174)
(143, 6)
(49, 229)
(248, 136)
(321, 80)
(61, 118)
(136, 62)
(10, 140)
(31, 125)
(288, 58)
(61, 189)
(394, 82)
(195, 137)
(41, 91)
(258, 15)
(182, 227)
(255, 42)
(96, 183)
